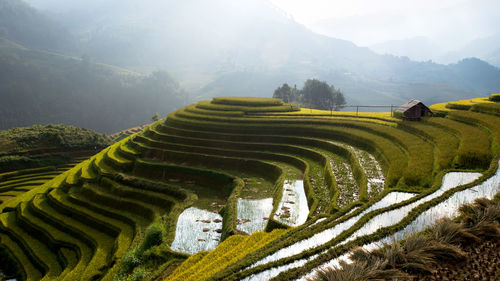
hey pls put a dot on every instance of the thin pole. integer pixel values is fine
(357, 109)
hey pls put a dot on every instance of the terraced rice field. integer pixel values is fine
(13, 184)
(177, 199)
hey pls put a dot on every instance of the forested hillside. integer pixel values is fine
(23, 24)
(50, 145)
(261, 49)
(39, 87)
(39, 84)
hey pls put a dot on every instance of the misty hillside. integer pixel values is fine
(216, 48)
(23, 24)
(425, 49)
(487, 49)
(260, 49)
(417, 48)
(38, 86)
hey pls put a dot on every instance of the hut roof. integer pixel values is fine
(409, 105)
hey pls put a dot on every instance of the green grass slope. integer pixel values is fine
(114, 216)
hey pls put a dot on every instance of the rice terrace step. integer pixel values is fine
(247, 189)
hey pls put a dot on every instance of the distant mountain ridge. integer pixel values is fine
(424, 49)
(23, 24)
(39, 84)
(487, 49)
(194, 41)
(418, 48)
(248, 48)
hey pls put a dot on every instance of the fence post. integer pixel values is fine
(391, 110)
(357, 109)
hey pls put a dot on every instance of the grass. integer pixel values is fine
(445, 141)
(347, 185)
(489, 122)
(488, 108)
(117, 160)
(99, 242)
(232, 249)
(494, 97)
(246, 108)
(316, 160)
(220, 151)
(23, 181)
(461, 104)
(59, 237)
(102, 233)
(384, 118)
(419, 253)
(39, 254)
(73, 176)
(30, 272)
(87, 172)
(197, 110)
(100, 162)
(361, 138)
(474, 150)
(247, 101)
(46, 137)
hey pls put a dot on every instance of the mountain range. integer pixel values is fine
(232, 48)
(422, 48)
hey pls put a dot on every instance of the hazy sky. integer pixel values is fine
(366, 22)
(311, 11)
(449, 24)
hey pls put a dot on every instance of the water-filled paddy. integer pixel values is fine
(392, 217)
(326, 235)
(446, 208)
(253, 214)
(197, 230)
(293, 209)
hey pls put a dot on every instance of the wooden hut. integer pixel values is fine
(413, 110)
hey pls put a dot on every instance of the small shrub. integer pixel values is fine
(138, 275)
(153, 237)
(131, 260)
(14, 162)
(494, 97)
(397, 114)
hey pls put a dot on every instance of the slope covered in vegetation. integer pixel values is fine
(46, 145)
(141, 206)
(44, 87)
(464, 248)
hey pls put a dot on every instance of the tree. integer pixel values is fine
(319, 95)
(315, 94)
(155, 117)
(284, 92)
(338, 99)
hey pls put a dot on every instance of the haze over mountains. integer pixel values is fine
(442, 31)
(212, 48)
(422, 49)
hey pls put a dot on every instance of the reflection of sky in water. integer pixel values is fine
(392, 217)
(328, 234)
(190, 228)
(257, 211)
(296, 201)
(447, 208)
